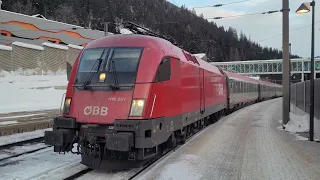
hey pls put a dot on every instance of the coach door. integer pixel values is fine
(202, 95)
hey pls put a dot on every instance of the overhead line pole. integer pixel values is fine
(285, 62)
(106, 28)
(311, 130)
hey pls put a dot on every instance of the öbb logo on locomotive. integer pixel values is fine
(95, 110)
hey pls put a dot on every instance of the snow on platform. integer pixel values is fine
(8, 123)
(21, 116)
(297, 123)
(30, 92)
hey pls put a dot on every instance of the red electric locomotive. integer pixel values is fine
(131, 97)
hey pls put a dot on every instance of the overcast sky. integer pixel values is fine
(262, 27)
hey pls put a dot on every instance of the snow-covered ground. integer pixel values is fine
(297, 123)
(18, 150)
(27, 92)
(43, 164)
(10, 139)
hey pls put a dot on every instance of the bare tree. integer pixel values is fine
(65, 13)
(22, 8)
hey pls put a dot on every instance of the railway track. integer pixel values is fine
(16, 149)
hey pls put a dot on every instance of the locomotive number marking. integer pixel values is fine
(95, 110)
(114, 99)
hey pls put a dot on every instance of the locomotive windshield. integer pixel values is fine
(118, 64)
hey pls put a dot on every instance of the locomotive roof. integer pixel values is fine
(130, 40)
(137, 40)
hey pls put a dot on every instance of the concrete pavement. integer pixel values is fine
(247, 144)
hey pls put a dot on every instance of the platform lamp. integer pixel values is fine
(305, 8)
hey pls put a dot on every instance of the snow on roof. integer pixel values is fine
(75, 46)
(57, 46)
(7, 48)
(200, 55)
(256, 78)
(19, 14)
(39, 16)
(125, 31)
(31, 46)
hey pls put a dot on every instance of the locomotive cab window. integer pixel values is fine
(164, 71)
(120, 64)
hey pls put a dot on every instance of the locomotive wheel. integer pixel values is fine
(182, 136)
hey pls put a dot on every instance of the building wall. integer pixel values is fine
(29, 29)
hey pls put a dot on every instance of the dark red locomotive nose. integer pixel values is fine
(113, 80)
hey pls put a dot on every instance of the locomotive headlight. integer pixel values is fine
(66, 106)
(102, 77)
(137, 106)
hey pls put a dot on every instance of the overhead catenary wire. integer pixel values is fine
(174, 2)
(219, 5)
(240, 15)
(289, 31)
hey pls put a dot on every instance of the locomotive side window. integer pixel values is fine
(164, 71)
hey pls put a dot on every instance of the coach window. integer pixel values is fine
(237, 87)
(247, 87)
(164, 70)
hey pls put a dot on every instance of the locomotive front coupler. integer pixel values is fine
(63, 135)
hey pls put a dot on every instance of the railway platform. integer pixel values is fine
(18, 122)
(248, 144)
